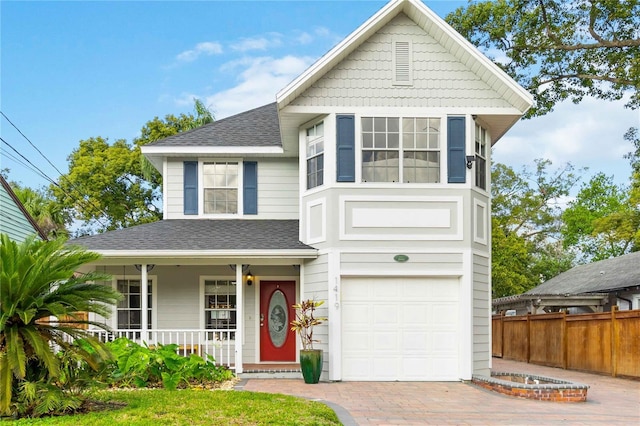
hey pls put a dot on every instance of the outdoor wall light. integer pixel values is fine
(470, 160)
(249, 278)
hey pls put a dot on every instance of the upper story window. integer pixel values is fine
(481, 139)
(315, 155)
(220, 188)
(415, 160)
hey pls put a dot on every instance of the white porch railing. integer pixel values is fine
(220, 344)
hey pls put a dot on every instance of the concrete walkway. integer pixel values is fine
(610, 401)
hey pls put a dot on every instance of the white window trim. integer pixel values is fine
(154, 297)
(441, 149)
(307, 157)
(201, 307)
(240, 188)
(487, 149)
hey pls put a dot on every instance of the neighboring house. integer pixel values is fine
(15, 220)
(594, 287)
(365, 185)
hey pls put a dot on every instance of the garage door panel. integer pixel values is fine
(400, 329)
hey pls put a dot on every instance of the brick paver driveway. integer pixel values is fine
(610, 401)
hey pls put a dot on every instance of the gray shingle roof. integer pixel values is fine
(200, 234)
(256, 127)
(611, 274)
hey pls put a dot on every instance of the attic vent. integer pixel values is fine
(402, 63)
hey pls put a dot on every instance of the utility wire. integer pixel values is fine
(80, 200)
(31, 143)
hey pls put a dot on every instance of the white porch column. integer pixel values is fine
(144, 296)
(239, 317)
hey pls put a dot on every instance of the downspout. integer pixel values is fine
(626, 300)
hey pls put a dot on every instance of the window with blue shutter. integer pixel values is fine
(250, 187)
(190, 187)
(345, 143)
(456, 149)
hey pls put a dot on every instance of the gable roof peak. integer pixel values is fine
(431, 23)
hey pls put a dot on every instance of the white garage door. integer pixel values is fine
(400, 329)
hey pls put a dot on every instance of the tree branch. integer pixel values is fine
(621, 81)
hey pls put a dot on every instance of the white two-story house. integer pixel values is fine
(365, 185)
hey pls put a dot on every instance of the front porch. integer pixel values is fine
(223, 311)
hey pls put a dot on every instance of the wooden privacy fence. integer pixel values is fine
(607, 342)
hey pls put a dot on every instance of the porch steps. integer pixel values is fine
(271, 371)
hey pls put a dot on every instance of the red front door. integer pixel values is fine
(277, 341)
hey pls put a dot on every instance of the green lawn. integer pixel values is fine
(199, 407)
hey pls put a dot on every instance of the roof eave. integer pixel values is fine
(524, 100)
(208, 254)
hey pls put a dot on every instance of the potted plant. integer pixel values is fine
(310, 358)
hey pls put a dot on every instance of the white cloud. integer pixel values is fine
(304, 38)
(589, 134)
(258, 84)
(205, 48)
(258, 43)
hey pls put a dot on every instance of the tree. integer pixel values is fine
(604, 219)
(47, 213)
(109, 187)
(560, 49)
(526, 237)
(38, 282)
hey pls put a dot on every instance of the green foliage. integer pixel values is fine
(109, 185)
(142, 366)
(604, 219)
(38, 282)
(305, 321)
(526, 225)
(44, 209)
(560, 49)
(198, 407)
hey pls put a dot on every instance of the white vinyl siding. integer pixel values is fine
(481, 315)
(277, 189)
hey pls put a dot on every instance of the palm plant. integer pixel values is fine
(39, 283)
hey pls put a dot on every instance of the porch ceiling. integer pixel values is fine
(199, 239)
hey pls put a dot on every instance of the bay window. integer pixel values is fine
(414, 160)
(481, 139)
(315, 155)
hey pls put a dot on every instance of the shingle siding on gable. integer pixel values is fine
(365, 77)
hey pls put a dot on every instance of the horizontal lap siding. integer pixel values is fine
(360, 262)
(278, 189)
(12, 221)
(174, 189)
(278, 194)
(364, 78)
(316, 288)
(481, 315)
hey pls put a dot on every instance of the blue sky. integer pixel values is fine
(74, 70)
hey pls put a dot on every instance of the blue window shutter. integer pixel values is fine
(456, 152)
(346, 140)
(250, 187)
(190, 187)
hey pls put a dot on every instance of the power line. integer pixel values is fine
(79, 200)
(43, 174)
(31, 143)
